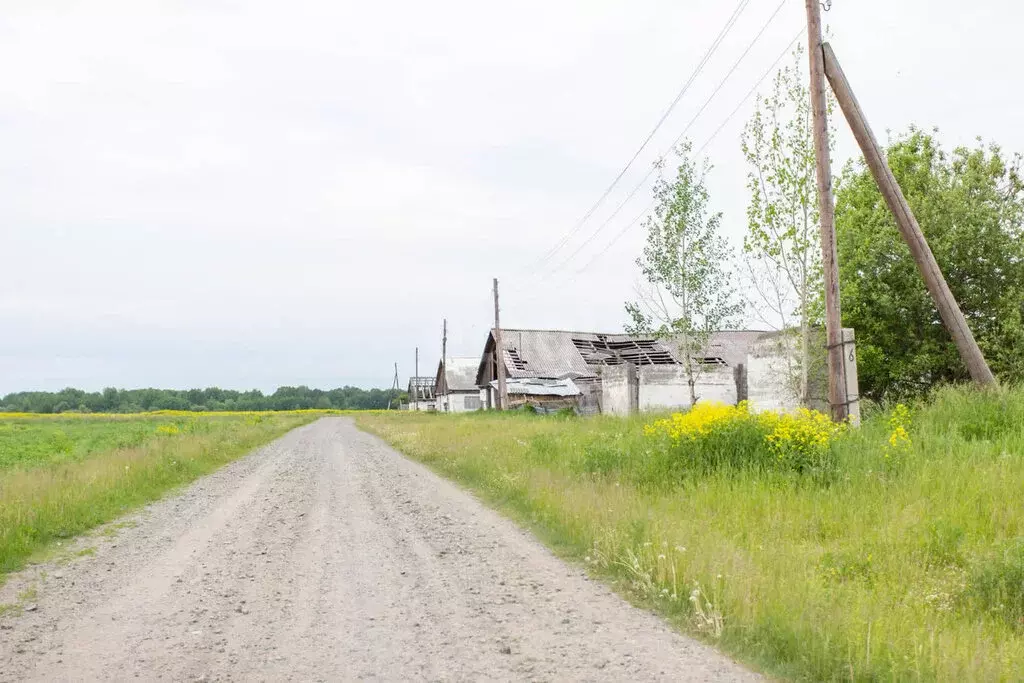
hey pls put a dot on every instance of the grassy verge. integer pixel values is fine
(907, 566)
(61, 476)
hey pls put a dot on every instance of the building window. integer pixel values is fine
(472, 403)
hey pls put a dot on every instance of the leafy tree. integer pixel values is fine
(782, 247)
(690, 292)
(970, 205)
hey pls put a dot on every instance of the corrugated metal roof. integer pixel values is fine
(559, 353)
(460, 373)
(527, 386)
(539, 353)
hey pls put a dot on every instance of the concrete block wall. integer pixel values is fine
(461, 401)
(769, 380)
(618, 389)
(665, 387)
(591, 396)
(771, 375)
(772, 370)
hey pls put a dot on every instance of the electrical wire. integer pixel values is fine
(678, 139)
(740, 7)
(699, 150)
(750, 92)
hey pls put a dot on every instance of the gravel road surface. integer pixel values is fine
(327, 556)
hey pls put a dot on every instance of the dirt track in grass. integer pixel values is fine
(328, 556)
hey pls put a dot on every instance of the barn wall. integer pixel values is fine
(665, 387)
(772, 382)
(618, 389)
(773, 373)
(462, 401)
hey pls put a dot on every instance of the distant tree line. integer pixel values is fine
(112, 400)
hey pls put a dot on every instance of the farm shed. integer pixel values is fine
(588, 358)
(421, 393)
(621, 373)
(455, 386)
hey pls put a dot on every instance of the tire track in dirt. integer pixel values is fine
(328, 556)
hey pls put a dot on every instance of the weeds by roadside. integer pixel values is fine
(60, 477)
(904, 563)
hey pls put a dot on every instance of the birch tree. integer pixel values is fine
(782, 248)
(685, 262)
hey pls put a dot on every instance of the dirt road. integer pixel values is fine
(328, 556)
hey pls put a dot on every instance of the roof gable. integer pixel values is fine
(459, 374)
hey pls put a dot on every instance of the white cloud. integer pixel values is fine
(254, 193)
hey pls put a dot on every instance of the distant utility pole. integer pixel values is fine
(444, 361)
(415, 383)
(395, 389)
(952, 316)
(826, 209)
(499, 354)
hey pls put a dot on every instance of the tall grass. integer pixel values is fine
(897, 566)
(61, 477)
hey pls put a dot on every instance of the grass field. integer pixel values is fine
(890, 566)
(61, 475)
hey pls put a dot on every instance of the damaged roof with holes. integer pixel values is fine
(459, 375)
(560, 354)
(424, 387)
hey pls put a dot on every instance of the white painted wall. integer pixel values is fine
(771, 384)
(616, 390)
(462, 401)
(665, 387)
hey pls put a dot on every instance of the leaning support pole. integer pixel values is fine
(950, 311)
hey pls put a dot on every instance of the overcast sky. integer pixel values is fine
(253, 193)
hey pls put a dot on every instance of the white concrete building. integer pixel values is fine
(421, 394)
(455, 388)
(599, 365)
(621, 374)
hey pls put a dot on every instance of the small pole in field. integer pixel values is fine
(415, 378)
(444, 361)
(499, 353)
(395, 389)
(826, 209)
(949, 310)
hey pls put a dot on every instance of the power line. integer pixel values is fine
(678, 139)
(699, 150)
(693, 76)
(617, 237)
(749, 93)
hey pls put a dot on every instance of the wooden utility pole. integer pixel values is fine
(394, 388)
(444, 361)
(415, 380)
(826, 209)
(499, 354)
(952, 316)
